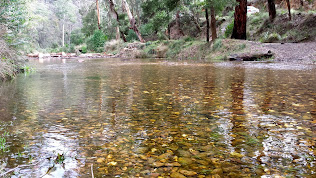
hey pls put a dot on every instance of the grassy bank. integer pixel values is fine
(10, 62)
(302, 27)
(183, 49)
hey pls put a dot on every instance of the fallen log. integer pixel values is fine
(251, 57)
(32, 55)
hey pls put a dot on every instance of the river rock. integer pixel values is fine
(154, 175)
(100, 160)
(217, 171)
(207, 148)
(177, 175)
(165, 156)
(184, 153)
(185, 161)
(175, 164)
(158, 164)
(188, 173)
(141, 150)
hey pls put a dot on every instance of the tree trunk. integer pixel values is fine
(196, 21)
(178, 23)
(289, 9)
(63, 35)
(98, 13)
(132, 21)
(169, 30)
(272, 11)
(116, 17)
(240, 23)
(117, 33)
(213, 24)
(207, 26)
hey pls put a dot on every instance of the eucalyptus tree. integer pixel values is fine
(289, 9)
(215, 6)
(98, 14)
(132, 20)
(272, 11)
(158, 14)
(13, 20)
(240, 20)
(66, 12)
(115, 15)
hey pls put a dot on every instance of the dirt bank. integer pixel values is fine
(285, 52)
(221, 50)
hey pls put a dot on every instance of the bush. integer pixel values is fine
(187, 39)
(114, 45)
(77, 37)
(84, 49)
(217, 44)
(71, 48)
(96, 41)
(9, 60)
(146, 29)
(229, 30)
(175, 48)
(269, 38)
(131, 36)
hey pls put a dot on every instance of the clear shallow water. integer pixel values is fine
(154, 118)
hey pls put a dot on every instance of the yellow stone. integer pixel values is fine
(100, 160)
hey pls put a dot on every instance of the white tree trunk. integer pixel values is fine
(63, 35)
(115, 16)
(98, 13)
(132, 20)
(117, 33)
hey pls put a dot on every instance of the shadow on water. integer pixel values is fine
(156, 118)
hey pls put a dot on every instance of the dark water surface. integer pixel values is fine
(114, 118)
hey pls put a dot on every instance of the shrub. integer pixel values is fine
(229, 30)
(84, 49)
(269, 38)
(96, 41)
(131, 36)
(77, 37)
(114, 45)
(146, 29)
(217, 44)
(186, 39)
(175, 47)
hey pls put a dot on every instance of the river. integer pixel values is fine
(150, 118)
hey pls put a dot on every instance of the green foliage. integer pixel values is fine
(131, 36)
(269, 38)
(220, 5)
(217, 44)
(187, 39)
(71, 48)
(146, 29)
(175, 48)
(90, 22)
(3, 141)
(158, 13)
(77, 37)
(84, 49)
(27, 69)
(96, 41)
(252, 141)
(60, 159)
(229, 30)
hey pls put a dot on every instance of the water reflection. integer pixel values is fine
(159, 119)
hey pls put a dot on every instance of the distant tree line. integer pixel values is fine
(64, 24)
